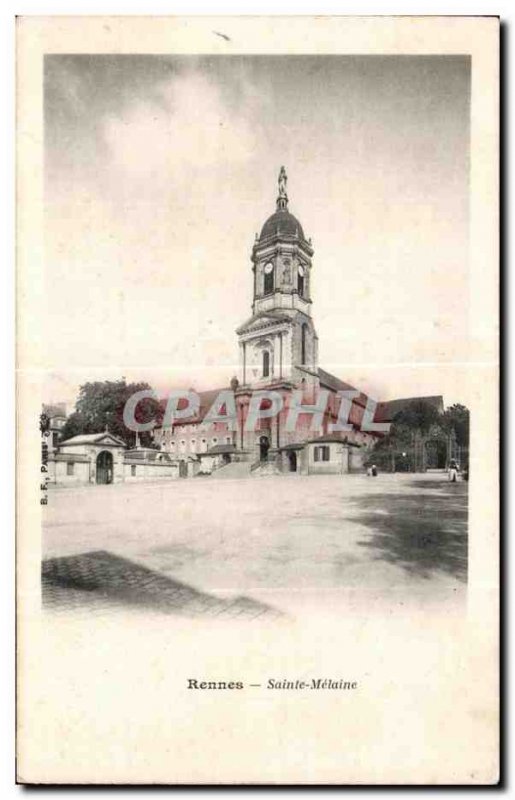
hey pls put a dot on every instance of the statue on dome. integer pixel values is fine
(283, 180)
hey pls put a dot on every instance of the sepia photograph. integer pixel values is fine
(343, 478)
(257, 333)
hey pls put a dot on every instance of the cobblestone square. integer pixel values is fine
(255, 546)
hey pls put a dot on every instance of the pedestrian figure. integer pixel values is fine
(374, 471)
(369, 472)
(453, 470)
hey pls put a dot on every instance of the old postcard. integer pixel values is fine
(258, 400)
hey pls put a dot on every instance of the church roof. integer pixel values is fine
(332, 382)
(281, 223)
(337, 385)
(206, 400)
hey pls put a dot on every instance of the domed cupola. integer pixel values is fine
(281, 259)
(282, 223)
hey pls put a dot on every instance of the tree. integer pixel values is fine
(417, 416)
(76, 423)
(404, 442)
(457, 418)
(101, 403)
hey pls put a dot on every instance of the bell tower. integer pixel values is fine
(278, 343)
(281, 260)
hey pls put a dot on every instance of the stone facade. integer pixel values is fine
(278, 350)
(104, 458)
(88, 458)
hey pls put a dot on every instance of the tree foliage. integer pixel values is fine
(417, 416)
(401, 447)
(101, 403)
(457, 417)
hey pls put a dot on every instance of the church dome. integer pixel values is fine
(281, 223)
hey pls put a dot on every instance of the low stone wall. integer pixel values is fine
(149, 470)
(80, 471)
(69, 472)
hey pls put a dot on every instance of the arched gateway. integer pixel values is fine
(105, 467)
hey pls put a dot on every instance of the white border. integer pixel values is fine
(191, 7)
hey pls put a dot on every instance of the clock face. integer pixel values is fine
(268, 268)
(301, 271)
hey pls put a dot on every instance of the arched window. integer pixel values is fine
(269, 278)
(266, 363)
(300, 281)
(303, 341)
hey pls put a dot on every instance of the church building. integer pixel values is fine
(278, 351)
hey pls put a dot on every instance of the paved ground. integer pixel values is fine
(258, 545)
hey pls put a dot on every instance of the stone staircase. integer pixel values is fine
(264, 469)
(236, 469)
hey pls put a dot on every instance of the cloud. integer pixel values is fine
(186, 123)
(162, 170)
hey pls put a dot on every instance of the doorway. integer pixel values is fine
(105, 467)
(292, 461)
(264, 447)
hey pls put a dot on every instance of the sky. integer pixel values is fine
(159, 171)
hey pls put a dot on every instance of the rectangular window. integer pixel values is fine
(269, 279)
(266, 363)
(70, 468)
(322, 453)
(133, 469)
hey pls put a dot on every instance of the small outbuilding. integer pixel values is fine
(331, 455)
(88, 458)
